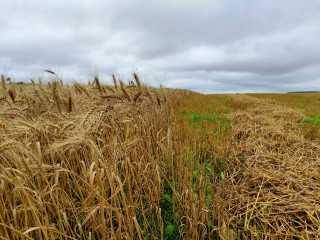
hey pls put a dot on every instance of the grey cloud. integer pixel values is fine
(207, 46)
(166, 29)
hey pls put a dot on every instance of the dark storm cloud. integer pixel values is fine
(207, 46)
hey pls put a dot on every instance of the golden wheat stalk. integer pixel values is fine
(163, 93)
(110, 88)
(148, 93)
(136, 77)
(12, 95)
(80, 88)
(53, 73)
(158, 99)
(125, 92)
(114, 81)
(70, 102)
(136, 97)
(3, 84)
(96, 80)
(56, 95)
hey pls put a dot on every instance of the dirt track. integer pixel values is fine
(279, 180)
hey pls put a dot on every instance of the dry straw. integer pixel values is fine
(276, 180)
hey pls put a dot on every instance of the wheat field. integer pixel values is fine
(129, 161)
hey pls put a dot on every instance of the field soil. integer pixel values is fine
(280, 181)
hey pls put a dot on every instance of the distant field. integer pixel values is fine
(308, 103)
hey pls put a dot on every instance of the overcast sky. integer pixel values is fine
(206, 46)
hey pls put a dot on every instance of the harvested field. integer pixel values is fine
(279, 186)
(306, 103)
